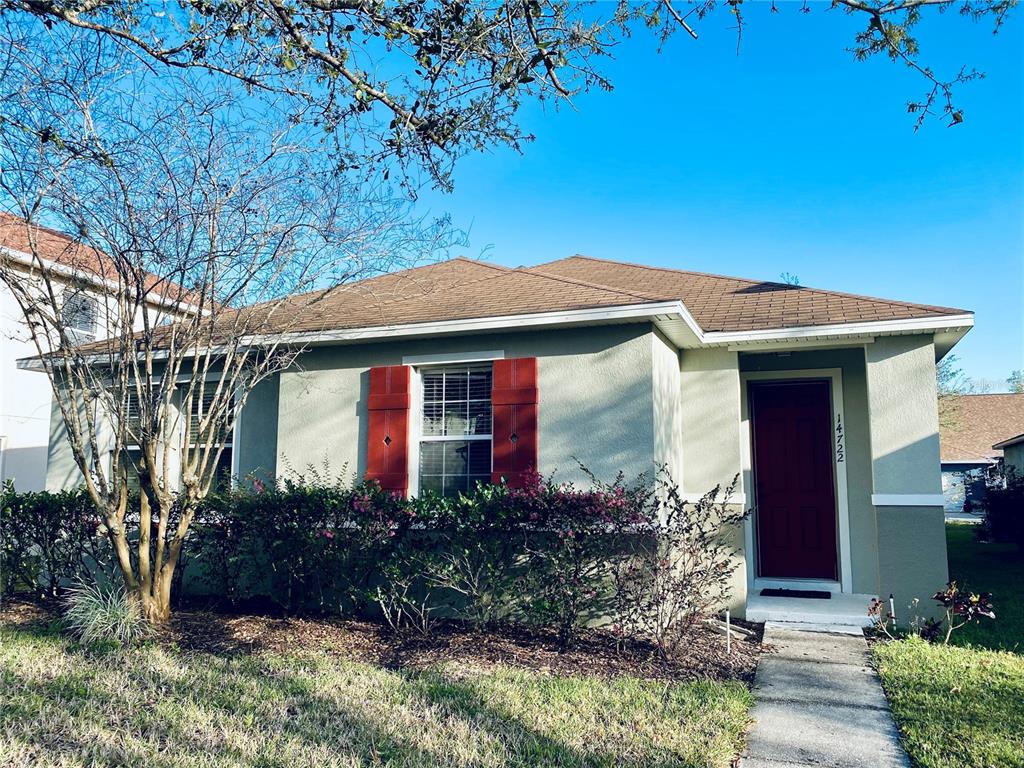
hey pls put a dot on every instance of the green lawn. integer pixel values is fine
(156, 706)
(995, 568)
(962, 706)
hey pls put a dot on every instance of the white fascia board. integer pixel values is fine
(653, 311)
(108, 286)
(1007, 443)
(596, 315)
(870, 328)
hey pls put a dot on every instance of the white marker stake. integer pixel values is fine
(892, 610)
(728, 632)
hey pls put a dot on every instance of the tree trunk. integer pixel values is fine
(156, 606)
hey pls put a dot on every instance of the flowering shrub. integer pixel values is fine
(633, 555)
(301, 547)
(48, 540)
(681, 571)
(575, 539)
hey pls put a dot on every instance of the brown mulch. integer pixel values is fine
(703, 655)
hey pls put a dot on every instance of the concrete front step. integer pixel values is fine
(843, 612)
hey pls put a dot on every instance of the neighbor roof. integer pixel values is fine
(978, 422)
(1011, 441)
(463, 288)
(59, 248)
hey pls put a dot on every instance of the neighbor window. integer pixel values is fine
(78, 314)
(455, 436)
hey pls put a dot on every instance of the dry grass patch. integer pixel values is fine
(65, 705)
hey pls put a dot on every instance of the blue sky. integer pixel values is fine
(791, 157)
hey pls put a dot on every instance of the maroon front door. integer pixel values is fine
(794, 505)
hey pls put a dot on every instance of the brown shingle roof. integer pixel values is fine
(721, 303)
(59, 248)
(463, 288)
(978, 422)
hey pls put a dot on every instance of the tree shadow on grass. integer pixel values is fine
(254, 713)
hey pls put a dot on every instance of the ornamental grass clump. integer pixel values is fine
(97, 614)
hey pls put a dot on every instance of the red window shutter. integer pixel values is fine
(387, 450)
(514, 403)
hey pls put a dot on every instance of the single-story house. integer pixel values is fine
(1013, 453)
(974, 425)
(824, 404)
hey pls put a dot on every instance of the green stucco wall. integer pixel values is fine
(904, 415)
(710, 440)
(710, 388)
(257, 433)
(1013, 456)
(904, 421)
(668, 414)
(596, 398)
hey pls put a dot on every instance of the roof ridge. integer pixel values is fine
(396, 299)
(825, 291)
(576, 281)
(343, 287)
(419, 267)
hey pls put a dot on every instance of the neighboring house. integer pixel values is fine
(975, 424)
(1013, 453)
(823, 403)
(84, 279)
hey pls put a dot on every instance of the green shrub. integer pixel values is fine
(48, 540)
(97, 614)
(1004, 508)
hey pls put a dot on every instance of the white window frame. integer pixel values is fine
(417, 364)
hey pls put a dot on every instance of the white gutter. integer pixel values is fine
(935, 323)
(597, 315)
(666, 311)
(675, 310)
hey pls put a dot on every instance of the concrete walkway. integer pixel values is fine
(819, 703)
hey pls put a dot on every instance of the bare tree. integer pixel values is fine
(421, 83)
(207, 237)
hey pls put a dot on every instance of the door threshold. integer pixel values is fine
(804, 585)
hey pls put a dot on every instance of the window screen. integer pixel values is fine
(78, 314)
(200, 407)
(455, 443)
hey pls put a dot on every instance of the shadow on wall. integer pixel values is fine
(607, 431)
(26, 466)
(908, 451)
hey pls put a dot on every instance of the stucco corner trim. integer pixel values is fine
(907, 499)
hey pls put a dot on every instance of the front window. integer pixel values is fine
(455, 435)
